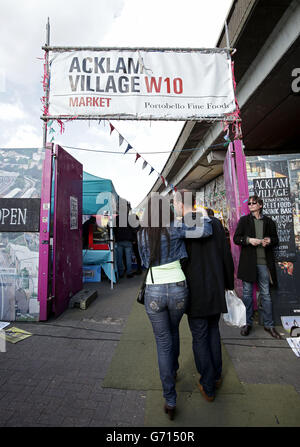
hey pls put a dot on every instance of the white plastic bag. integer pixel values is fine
(236, 315)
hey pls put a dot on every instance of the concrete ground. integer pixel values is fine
(54, 378)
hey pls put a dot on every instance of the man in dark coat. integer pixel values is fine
(124, 236)
(209, 270)
(257, 235)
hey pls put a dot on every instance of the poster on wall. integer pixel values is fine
(145, 84)
(277, 204)
(20, 182)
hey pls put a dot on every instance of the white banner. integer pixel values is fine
(142, 84)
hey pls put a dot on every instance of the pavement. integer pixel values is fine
(54, 377)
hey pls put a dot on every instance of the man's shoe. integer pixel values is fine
(246, 330)
(130, 275)
(272, 331)
(218, 383)
(206, 397)
(170, 411)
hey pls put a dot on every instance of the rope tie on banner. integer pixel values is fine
(236, 122)
(62, 126)
(45, 83)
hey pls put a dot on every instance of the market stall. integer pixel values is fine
(99, 200)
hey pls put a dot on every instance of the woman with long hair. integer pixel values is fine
(161, 246)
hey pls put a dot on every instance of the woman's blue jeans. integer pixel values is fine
(165, 305)
(263, 281)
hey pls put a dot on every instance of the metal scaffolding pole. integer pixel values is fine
(155, 49)
(47, 86)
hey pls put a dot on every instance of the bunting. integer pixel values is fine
(52, 132)
(111, 128)
(145, 163)
(137, 156)
(128, 148)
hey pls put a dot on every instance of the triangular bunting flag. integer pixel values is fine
(152, 169)
(121, 139)
(163, 180)
(137, 157)
(128, 148)
(111, 128)
(144, 165)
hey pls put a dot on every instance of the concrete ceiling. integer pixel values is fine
(271, 117)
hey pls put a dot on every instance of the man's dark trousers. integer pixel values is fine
(207, 350)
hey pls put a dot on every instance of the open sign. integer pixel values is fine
(17, 214)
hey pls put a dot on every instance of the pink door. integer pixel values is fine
(60, 273)
(67, 230)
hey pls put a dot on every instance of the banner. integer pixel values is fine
(142, 84)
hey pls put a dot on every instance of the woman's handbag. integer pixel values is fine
(141, 293)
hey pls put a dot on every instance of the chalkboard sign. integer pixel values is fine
(275, 193)
(19, 215)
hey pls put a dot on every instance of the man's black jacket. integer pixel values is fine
(209, 271)
(247, 264)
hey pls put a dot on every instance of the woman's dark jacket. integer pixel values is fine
(247, 264)
(209, 271)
